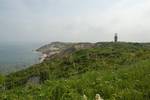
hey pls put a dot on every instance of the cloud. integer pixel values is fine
(74, 20)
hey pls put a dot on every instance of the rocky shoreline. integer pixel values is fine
(43, 57)
(60, 48)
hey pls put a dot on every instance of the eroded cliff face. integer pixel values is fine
(54, 47)
(62, 48)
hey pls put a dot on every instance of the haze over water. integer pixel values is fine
(17, 56)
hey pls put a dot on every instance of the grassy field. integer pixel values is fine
(116, 71)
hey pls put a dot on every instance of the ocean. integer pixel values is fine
(17, 56)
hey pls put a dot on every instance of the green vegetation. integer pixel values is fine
(116, 71)
(2, 78)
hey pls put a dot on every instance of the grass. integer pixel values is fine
(115, 71)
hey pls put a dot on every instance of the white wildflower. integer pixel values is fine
(98, 97)
(84, 97)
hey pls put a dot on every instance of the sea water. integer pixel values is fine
(17, 56)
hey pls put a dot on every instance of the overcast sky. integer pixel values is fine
(74, 20)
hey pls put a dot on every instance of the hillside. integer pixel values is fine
(57, 48)
(116, 71)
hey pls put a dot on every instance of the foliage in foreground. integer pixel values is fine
(130, 83)
(115, 71)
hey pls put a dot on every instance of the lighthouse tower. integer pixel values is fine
(116, 37)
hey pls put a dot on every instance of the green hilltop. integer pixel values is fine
(116, 71)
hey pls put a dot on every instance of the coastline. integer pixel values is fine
(43, 57)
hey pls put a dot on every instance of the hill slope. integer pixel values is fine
(118, 71)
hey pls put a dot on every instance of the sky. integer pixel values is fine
(74, 20)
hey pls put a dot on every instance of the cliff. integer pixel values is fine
(61, 48)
